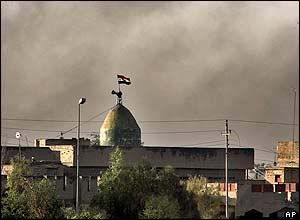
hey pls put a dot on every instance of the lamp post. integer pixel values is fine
(81, 101)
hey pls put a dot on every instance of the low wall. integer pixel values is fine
(202, 158)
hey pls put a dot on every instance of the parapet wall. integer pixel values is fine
(44, 153)
(61, 141)
(202, 158)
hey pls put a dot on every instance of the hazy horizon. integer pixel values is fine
(186, 61)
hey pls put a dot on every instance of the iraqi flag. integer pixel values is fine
(123, 80)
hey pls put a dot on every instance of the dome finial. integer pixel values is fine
(121, 80)
(119, 95)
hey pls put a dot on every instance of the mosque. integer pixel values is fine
(56, 158)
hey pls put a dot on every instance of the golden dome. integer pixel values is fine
(120, 128)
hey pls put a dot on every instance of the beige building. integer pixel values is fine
(258, 198)
(278, 194)
(287, 154)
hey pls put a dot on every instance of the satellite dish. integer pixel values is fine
(18, 135)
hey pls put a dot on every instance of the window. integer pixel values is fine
(256, 187)
(268, 188)
(277, 179)
(280, 188)
(290, 187)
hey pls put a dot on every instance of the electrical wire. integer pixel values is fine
(62, 133)
(180, 132)
(14, 138)
(151, 121)
(259, 159)
(155, 132)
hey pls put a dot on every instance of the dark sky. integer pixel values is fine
(186, 60)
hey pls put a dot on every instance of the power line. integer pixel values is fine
(28, 129)
(209, 142)
(150, 121)
(154, 132)
(62, 133)
(256, 148)
(197, 144)
(262, 122)
(263, 159)
(179, 121)
(41, 120)
(145, 121)
(14, 138)
(179, 132)
(13, 144)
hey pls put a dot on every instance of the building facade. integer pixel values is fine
(278, 194)
(56, 158)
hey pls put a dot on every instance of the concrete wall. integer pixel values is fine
(28, 152)
(213, 175)
(52, 142)
(66, 153)
(65, 180)
(270, 174)
(202, 158)
(288, 154)
(291, 174)
(287, 174)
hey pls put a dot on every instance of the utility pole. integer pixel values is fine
(293, 150)
(226, 134)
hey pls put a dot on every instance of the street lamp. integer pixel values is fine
(81, 101)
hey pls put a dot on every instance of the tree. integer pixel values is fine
(26, 197)
(208, 198)
(70, 213)
(123, 191)
(157, 207)
(14, 204)
(95, 140)
(42, 200)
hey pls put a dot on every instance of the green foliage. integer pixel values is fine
(43, 202)
(70, 213)
(14, 205)
(95, 140)
(123, 191)
(28, 198)
(15, 202)
(161, 207)
(17, 180)
(208, 198)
